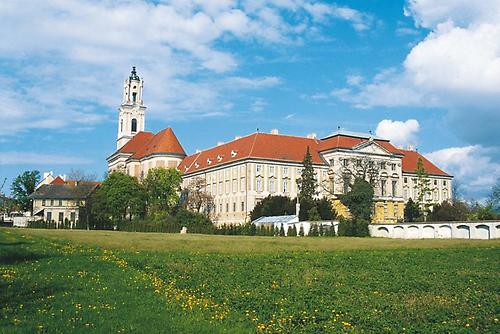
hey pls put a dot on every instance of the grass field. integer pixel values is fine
(113, 282)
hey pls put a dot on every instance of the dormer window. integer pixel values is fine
(219, 158)
(209, 161)
(196, 165)
(233, 153)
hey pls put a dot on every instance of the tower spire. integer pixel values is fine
(131, 111)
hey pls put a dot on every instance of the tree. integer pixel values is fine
(307, 181)
(289, 231)
(81, 175)
(495, 197)
(273, 206)
(301, 230)
(196, 198)
(162, 188)
(282, 231)
(313, 214)
(120, 196)
(447, 211)
(359, 200)
(325, 209)
(423, 185)
(412, 211)
(23, 186)
(313, 231)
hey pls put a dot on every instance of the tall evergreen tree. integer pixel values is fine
(307, 181)
(412, 211)
(423, 184)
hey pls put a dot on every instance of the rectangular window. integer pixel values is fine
(382, 187)
(235, 185)
(220, 188)
(444, 182)
(259, 184)
(227, 207)
(258, 169)
(243, 206)
(234, 206)
(435, 182)
(345, 162)
(285, 171)
(382, 165)
(49, 216)
(272, 186)
(346, 180)
(73, 217)
(51, 202)
(60, 202)
(393, 166)
(61, 216)
(242, 184)
(220, 207)
(43, 202)
(358, 162)
(394, 188)
(271, 170)
(285, 186)
(332, 162)
(227, 187)
(406, 180)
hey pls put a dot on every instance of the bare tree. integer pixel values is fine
(81, 175)
(196, 197)
(366, 168)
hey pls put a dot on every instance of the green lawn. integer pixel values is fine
(114, 282)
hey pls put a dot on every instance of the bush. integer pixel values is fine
(353, 228)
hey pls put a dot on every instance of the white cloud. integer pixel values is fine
(472, 166)
(35, 158)
(354, 80)
(258, 105)
(456, 67)
(65, 60)
(400, 133)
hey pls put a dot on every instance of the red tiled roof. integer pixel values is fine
(410, 161)
(164, 141)
(256, 145)
(57, 180)
(146, 143)
(136, 143)
(343, 141)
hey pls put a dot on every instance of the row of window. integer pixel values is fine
(59, 202)
(360, 162)
(72, 217)
(227, 207)
(435, 182)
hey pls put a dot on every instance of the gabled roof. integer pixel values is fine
(256, 145)
(349, 141)
(64, 191)
(57, 180)
(410, 161)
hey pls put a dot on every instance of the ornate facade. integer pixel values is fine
(247, 169)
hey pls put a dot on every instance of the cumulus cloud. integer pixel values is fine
(471, 165)
(455, 67)
(401, 133)
(66, 60)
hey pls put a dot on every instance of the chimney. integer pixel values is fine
(219, 143)
(311, 135)
(410, 148)
(274, 131)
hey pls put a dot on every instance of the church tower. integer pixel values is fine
(131, 111)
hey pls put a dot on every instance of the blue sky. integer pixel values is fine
(420, 72)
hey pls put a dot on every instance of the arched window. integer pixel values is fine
(121, 125)
(134, 125)
(134, 96)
